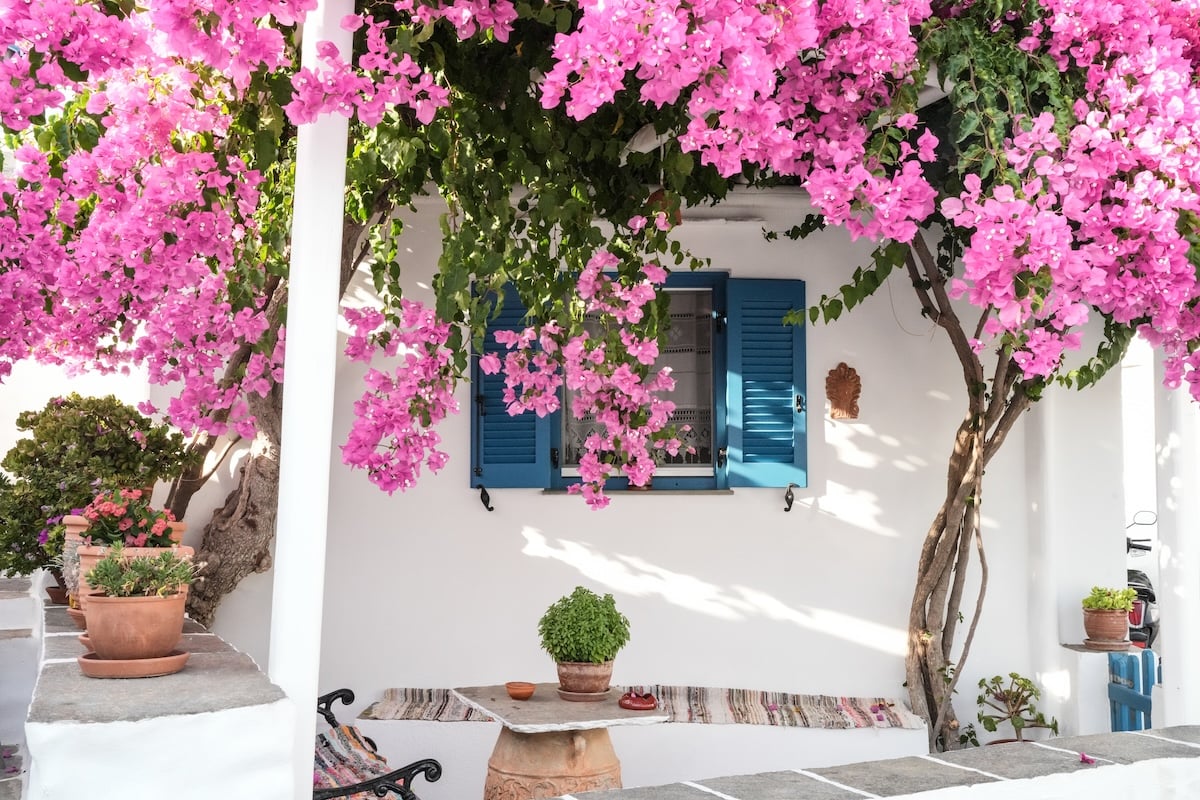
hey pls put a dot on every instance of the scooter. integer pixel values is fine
(1143, 618)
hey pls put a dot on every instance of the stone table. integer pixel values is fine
(549, 746)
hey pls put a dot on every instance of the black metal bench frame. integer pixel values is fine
(397, 781)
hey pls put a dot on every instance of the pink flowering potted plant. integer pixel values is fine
(126, 518)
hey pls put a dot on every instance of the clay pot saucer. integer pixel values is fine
(78, 618)
(520, 690)
(584, 697)
(1107, 645)
(86, 641)
(95, 667)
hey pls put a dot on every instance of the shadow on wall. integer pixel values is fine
(633, 575)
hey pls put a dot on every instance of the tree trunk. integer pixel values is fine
(237, 540)
(993, 407)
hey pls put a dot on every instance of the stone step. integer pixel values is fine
(18, 607)
(19, 654)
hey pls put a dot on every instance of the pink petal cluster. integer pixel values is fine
(381, 79)
(1098, 221)
(393, 433)
(468, 17)
(608, 376)
(787, 85)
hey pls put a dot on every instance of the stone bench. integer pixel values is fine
(211, 730)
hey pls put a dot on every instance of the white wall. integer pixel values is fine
(427, 588)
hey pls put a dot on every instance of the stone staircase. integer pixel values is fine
(20, 645)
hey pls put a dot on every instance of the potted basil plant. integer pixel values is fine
(583, 632)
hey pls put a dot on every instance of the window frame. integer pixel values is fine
(732, 347)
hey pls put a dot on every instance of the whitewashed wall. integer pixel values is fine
(427, 588)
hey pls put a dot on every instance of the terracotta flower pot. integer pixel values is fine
(134, 627)
(75, 526)
(581, 677)
(1105, 627)
(90, 555)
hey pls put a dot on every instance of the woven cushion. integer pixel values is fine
(342, 758)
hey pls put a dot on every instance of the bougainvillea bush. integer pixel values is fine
(1030, 166)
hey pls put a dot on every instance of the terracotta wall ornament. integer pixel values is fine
(842, 387)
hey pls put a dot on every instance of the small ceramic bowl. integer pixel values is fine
(519, 690)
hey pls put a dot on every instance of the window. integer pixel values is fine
(739, 383)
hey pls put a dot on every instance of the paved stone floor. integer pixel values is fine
(901, 776)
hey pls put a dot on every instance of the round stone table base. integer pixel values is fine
(530, 765)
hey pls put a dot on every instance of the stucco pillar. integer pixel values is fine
(298, 589)
(1178, 445)
(1075, 508)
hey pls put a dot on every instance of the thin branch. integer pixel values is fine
(947, 319)
(960, 579)
(1017, 405)
(1002, 380)
(983, 317)
(914, 273)
(217, 465)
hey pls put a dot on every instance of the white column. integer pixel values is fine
(1073, 493)
(295, 648)
(1178, 442)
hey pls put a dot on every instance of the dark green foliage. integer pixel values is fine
(583, 627)
(76, 446)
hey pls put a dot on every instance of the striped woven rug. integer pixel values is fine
(686, 704)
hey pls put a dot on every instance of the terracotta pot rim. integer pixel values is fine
(107, 600)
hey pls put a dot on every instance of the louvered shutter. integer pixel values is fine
(510, 451)
(767, 433)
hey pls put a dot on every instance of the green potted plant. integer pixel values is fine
(1106, 617)
(1011, 702)
(583, 632)
(74, 446)
(138, 614)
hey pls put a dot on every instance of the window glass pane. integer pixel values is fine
(688, 352)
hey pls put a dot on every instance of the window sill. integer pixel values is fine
(648, 492)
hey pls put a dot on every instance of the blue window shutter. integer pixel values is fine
(509, 451)
(767, 434)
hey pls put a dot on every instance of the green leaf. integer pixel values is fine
(968, 124)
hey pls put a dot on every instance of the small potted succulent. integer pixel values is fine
(1011, 702)
(138, 616)
(1106, 617)
(583, 632)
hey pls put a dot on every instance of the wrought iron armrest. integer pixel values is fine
(326, 700)
(324, 703)
(398, 781)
